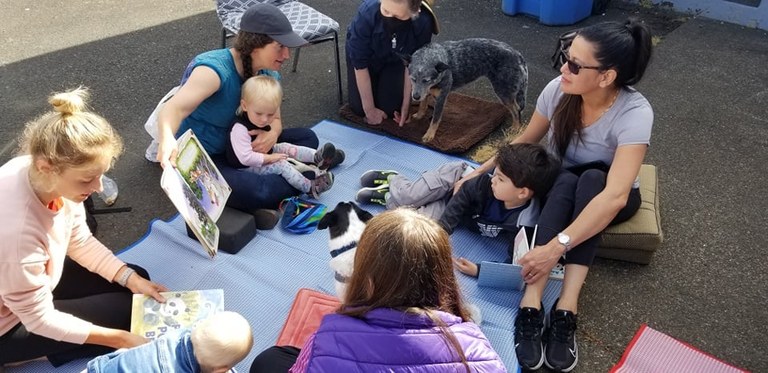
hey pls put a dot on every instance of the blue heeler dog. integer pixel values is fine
(438, 68)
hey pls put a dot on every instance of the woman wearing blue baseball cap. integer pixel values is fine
(208, 98)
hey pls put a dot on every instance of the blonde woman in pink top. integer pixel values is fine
(63, 294)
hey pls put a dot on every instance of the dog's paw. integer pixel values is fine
(427, 137)
(417, 115)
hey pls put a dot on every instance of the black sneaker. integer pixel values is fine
(328, 157)
(561, 353)
(373, 195)
(529, 328)
(324, 156)
(338, 159)
(374, 178)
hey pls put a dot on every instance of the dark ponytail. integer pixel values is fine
(625, 48)
(245, 43)
(643, 47)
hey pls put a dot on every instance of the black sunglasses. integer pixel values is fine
(574, 68)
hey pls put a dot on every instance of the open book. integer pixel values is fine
(151, 319)
(197, 190)
(509, 275)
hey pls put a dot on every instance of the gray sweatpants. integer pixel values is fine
(429, 193)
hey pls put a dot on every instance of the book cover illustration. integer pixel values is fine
(197, 189)
(509, 275)
(151, 319)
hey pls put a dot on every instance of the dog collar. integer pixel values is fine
(343, 249)
(338, 276)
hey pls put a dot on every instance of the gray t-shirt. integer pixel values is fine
(627, 122)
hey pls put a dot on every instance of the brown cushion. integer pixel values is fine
(636, 239)
(466, 121)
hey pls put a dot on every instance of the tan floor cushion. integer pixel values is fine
(636, 239)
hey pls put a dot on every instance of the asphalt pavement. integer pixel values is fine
(707, 84)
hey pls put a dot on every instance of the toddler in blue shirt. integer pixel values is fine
(214, 345)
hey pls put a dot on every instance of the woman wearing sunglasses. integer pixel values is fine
(600, 126)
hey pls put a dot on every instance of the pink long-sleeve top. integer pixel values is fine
(241, 144)
(33, 244)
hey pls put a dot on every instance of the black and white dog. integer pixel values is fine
(345, 224)
(436, 69)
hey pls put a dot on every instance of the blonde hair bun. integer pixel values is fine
(70, 102)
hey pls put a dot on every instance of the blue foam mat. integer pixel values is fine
(261, 281)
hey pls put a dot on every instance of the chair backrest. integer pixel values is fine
(305, 20)
(230, 12)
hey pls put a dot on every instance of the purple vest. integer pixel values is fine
(393, 341)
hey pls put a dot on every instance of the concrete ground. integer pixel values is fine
(707, 84)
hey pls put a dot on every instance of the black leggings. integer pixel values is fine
(567, 199)
(83, 294)
(386, 86)
(276, 359)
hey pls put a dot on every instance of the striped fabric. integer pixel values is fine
(654, 351)
(306, 21)
(261, 281)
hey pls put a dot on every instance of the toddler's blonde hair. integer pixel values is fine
(221, 341)
(262, 88)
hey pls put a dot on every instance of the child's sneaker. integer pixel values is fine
(338, 158)
(321, 184)
(374, 178)
(373, 195)
(328, 156)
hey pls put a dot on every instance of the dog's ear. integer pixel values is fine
(442, 66)
(405, 57)
(327, 220)
(363, 215)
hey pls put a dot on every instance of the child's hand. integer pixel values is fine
(375, 116)
(401, 119)
(274, 157)
(465, 266)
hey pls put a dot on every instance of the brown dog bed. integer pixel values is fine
(466, 121)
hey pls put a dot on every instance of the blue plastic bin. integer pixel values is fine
(550, 12)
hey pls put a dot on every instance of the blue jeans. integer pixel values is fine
(251, 191)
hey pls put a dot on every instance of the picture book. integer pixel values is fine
(197, 189)
(151, 319)
(509, 275)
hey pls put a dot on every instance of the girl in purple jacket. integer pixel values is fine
(403, 310)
